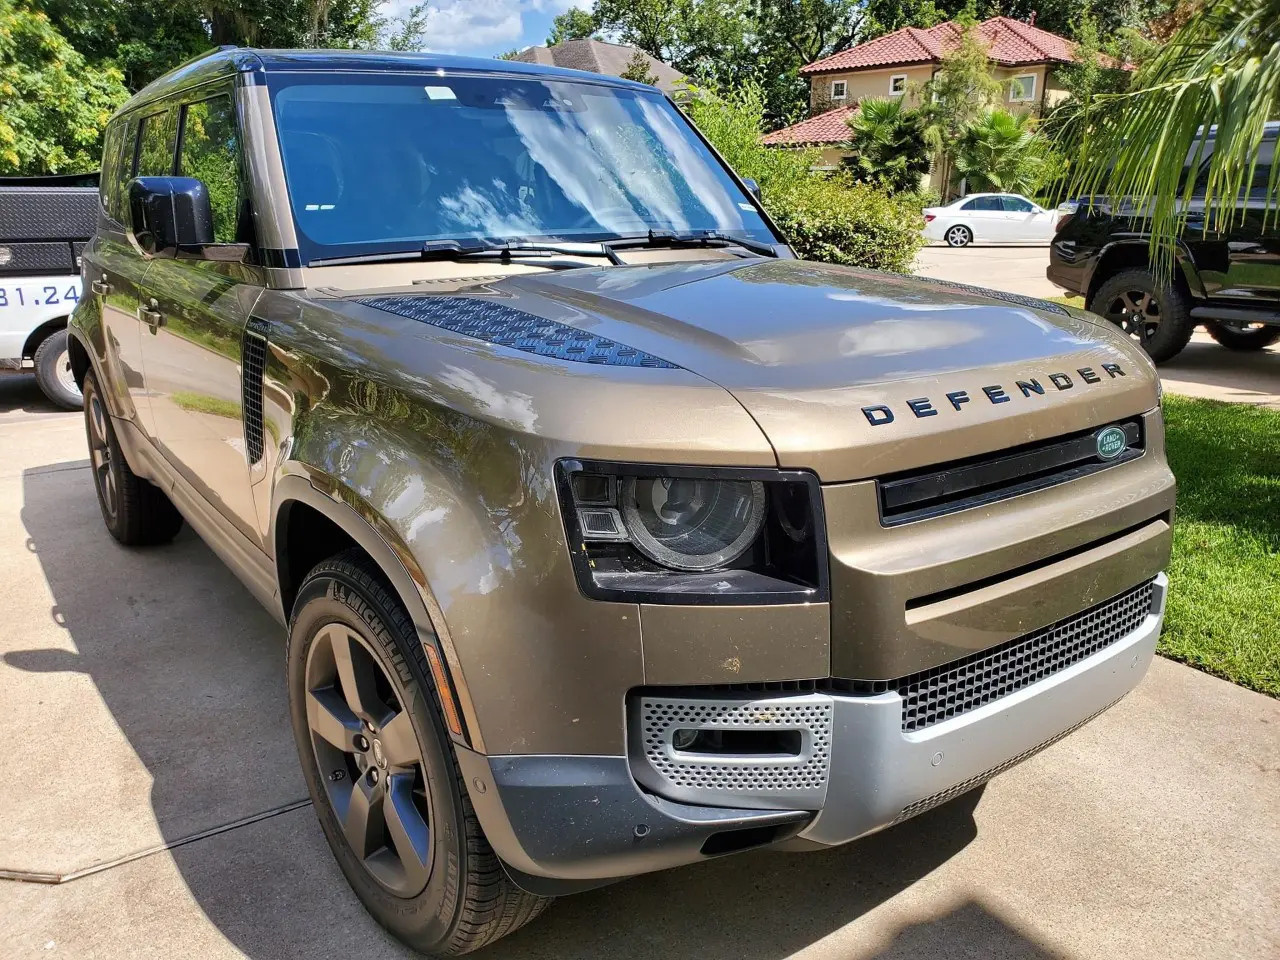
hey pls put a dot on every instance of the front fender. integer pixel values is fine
(470, 515)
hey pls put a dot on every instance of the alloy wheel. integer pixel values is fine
(958, 236)
(369, 758)
(1136, 312)
(104, 474)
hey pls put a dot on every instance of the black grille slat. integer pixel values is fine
(960, 485)
(955, 688)
(253, 355)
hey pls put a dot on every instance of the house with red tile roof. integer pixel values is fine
(1023, 57)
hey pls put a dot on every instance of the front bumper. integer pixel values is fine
(557, 820)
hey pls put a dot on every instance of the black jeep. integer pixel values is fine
(1228, 280)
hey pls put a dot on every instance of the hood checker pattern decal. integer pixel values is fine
(508, 327)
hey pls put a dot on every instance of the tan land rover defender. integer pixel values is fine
(608, 535)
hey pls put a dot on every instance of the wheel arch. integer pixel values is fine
(1124, 254)
(42, 333)
(303, 512)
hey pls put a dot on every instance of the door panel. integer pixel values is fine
(985, 217)
(192, 346)
(193, 378)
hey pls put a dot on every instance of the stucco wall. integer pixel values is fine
(864, 84)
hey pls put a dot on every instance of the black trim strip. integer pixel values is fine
(962, 484)
(288, 259)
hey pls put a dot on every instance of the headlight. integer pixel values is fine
(690, 523)
(693, 535)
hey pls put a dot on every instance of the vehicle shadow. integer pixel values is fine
(191, 670)
(19, 395)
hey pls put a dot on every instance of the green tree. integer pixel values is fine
(53, 106)
(574, 24)
(885, 16)
(886, 145)
(639, 69)
(406, 32)
(1001, 152)
(1220, 69)
(961, 91)
(791, 33)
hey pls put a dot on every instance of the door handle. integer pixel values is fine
(100, 287)
(152, 317)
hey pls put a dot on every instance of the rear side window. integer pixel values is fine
(110, 165)
(210, 152)
(983, 203)
(155, 145)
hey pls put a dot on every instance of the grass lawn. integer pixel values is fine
(1224, 599)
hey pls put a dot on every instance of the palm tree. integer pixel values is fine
(999, 151)
(1220, 69)
(886, 145)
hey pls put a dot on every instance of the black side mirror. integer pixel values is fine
(753, 188)
(170, 215)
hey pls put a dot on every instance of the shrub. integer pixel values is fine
(832, 219)
(838, 221)
(887, 146)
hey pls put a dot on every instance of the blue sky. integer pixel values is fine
(488, 27)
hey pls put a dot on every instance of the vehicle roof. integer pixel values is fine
(227, 61)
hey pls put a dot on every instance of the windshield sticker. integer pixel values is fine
(440, 93)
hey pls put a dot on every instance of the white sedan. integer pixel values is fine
(989, 218)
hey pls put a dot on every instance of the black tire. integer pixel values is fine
(434, 882)
(1243, 336)
(1155, 315)
(135, 511)
(53, 372)
(958, 235)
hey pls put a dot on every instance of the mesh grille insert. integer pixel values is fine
(253, 356)
(508, 327)
(952, 689)
(739, 775)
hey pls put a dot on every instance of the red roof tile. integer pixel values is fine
(829, 127)
(1009, 42)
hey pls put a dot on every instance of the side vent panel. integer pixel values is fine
(253, 355)
(508, 327)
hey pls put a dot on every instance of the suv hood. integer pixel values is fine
(856, 373)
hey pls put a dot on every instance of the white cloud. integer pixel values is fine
(459, 26)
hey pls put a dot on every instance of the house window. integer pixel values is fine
(897, 84)
(1022, 88)
(839, 89)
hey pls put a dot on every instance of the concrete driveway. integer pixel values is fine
(152, 807)
(1203, 369)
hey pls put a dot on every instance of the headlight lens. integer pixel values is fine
(691, 523)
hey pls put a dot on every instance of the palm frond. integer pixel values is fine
(1218, 78)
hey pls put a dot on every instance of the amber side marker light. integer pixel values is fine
(446, 694)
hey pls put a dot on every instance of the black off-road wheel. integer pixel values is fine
(53, 372)
(1239, 335)
(381, 770)
(1155, 315)
(136, 512)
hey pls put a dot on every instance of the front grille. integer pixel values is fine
(786, 780)
(961, 484)
(952, 689)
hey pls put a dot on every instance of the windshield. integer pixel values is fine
(382, 163)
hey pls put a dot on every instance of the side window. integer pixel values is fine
(109, 172)
(983, 203)
(972, 205)
(119, 186)
(155, 145)
(1016, 205)
(210, 151)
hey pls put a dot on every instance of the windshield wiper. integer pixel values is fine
(508, 249)
(475, 247)
(705, 238)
